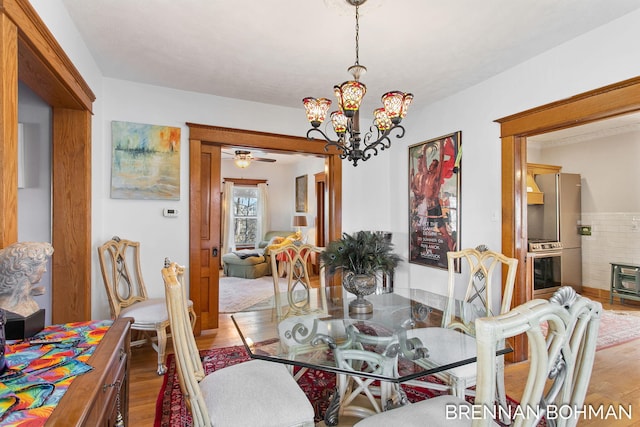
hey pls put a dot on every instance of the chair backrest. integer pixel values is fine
(121, 273)
(480, 267)
(294, 259)
(562, 334)
(188, 363)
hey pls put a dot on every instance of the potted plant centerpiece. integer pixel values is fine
(360, 256)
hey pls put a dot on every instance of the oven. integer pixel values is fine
(544, 268)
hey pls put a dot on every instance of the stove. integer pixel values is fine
(541, 245)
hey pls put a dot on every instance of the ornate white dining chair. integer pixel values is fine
(481, 270)
(562, 335)
(294, 259)
(253, 393)
(127, 294)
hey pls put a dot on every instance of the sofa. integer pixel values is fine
(269, 235)
(251, 263)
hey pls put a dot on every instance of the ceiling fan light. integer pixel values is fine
(382, 121)
(339, 122)
(242, 163)
(350, 94)
(316, 110)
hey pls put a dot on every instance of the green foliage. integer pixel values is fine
(363, 252)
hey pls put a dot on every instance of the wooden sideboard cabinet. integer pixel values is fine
(95, 398)
(625, 282)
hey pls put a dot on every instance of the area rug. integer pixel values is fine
(617, 327)
(318, 386)
(238, 294)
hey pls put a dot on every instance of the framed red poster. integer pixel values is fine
(434, 200)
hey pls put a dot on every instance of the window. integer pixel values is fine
(245, 215)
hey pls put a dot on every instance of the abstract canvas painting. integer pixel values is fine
(145, 161)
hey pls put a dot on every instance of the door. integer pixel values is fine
(204, 285)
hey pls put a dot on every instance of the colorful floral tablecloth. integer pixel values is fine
(38, 375)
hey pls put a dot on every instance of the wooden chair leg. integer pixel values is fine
(161, 348)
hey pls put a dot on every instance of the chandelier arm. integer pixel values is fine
(339, 144)
(383, 142)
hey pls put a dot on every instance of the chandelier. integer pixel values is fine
(346, 120)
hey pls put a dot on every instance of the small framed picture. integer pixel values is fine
(301, 193)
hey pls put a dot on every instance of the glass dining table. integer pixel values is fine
(370, 354)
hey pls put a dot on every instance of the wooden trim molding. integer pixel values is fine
(30, 53)
(44, 66)
(608, 101)
(245, 181)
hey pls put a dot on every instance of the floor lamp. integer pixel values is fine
(299, 221)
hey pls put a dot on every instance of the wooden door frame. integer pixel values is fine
(605, 102)
(30, 53)
(199, 135)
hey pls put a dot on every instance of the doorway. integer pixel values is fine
(205, 147)
(609, 101)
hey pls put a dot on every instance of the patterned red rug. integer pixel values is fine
(318, 385)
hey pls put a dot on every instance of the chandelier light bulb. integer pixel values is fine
(350, 94)
(316, 110)
(382, 120)
(339, 122)
(408, 98)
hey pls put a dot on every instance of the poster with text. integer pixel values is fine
(434, 200)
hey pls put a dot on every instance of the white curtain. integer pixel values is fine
(228, 232)
(263, 212)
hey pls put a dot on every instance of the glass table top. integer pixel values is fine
(405, 327)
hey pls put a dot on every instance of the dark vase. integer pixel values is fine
(359, 285)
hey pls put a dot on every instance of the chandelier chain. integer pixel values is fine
(357, 36)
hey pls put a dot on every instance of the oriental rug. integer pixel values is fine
(617, 327)
(318, 386)
(237, 294)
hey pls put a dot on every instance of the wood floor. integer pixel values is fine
(615, 379)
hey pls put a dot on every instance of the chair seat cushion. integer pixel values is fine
(436, 412)
(148, 312)
(255, 393)
(442, 343)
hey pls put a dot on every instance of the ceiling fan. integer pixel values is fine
(243, 158)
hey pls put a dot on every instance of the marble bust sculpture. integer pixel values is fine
(22, 265)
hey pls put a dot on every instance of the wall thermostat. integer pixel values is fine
(170, 213)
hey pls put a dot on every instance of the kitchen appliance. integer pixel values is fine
(544, 267)
(553, 231)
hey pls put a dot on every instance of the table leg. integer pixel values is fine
(331, 416)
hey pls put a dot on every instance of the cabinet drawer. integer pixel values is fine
(115, 376)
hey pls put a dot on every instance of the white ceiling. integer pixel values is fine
(279, 51)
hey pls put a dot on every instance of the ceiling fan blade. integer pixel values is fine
(262, 159)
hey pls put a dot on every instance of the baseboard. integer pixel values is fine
(595, 293)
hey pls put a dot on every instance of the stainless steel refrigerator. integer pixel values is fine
(562, 219)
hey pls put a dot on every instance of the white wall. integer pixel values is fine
(34, 199)
(375, 193)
